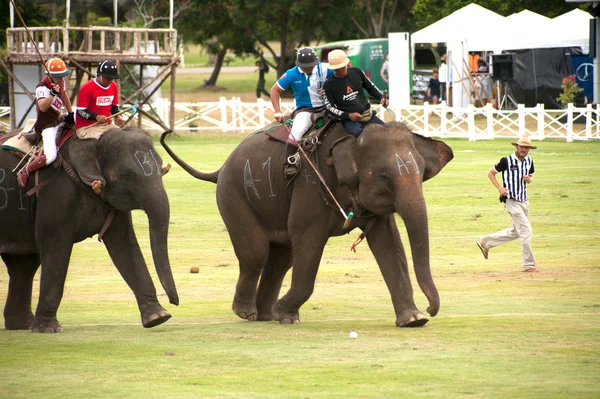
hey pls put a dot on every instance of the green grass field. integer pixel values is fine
(500, 333)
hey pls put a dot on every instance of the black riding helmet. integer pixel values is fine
(306, 58)
(109, 69)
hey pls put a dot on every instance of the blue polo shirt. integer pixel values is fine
(306, 87)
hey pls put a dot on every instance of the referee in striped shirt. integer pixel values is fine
(517, 172)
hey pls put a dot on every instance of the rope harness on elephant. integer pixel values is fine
(59, 163)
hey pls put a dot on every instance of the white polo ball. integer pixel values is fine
(353, 335)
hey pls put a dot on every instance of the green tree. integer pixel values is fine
(32, 12)
(376, 18)
(213, 24)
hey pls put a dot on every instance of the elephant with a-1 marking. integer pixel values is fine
(42, 228)
(274, 226)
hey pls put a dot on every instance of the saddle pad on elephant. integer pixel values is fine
(20, 146)
(281, 133)
(16, 142)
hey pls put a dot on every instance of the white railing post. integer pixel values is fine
(588, 121)
(426, 118)
(521, 118)
(240, 114)
(471, 122)
(262, 109)
(489, 113)
(541, 116)
(597, 121)
(223, 106)
(570, 123)
(444, 119)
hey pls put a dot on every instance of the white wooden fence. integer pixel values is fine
(233, 115)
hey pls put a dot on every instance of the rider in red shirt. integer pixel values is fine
(97, 100)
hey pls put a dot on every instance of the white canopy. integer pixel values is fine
(574, 29)
(484, 30)
(473, 23)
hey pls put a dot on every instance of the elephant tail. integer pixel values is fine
(211, 177)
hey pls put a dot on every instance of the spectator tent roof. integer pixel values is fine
(485, 30)
(476, 24)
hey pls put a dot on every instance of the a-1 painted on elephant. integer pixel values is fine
(274, 226)
(43, 228)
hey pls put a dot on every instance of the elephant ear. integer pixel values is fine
(343, 157)
(436, 154)
(85, 149)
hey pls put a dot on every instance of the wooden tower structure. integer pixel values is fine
(83, 49)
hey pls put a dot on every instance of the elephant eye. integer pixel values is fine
(127, 175)
(384, 178)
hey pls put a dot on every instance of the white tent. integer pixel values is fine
(574, 29)
(484, 30)
(525, 30)
(473, 23)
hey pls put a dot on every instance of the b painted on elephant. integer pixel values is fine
(134, 173)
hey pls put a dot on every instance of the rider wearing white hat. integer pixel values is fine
(345, 94)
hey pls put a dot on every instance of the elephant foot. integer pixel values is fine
(411, 320)
(18, 323)
(155, 319)
(264, 317)
(285, 316)
(46, 326)
(245, 311)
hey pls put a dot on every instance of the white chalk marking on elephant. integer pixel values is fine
(313, 177)
(146, 162)
(3, 190)
(401, 164)
(404, 164)
(248, 181)
(414, 162)
(267, 164)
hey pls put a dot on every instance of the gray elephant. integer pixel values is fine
(273, 225)
(43, 228)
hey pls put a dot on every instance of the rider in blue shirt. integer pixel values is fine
(306, 80)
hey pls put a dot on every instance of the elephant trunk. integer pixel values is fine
(158, 213)
(413, 211)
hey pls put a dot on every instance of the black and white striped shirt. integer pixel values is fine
(513, 172)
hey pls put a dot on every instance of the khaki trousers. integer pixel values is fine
(521, 228)
(94, 131)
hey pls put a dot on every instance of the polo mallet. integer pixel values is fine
(349, 216)
(386, 97)
(133, 107)
(32, 42)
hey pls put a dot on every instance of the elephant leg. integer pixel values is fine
(124, 250)
(271, 280)
(307, 250)
(252, 259)
(386, 245)
(55, 251)
(21, 271)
